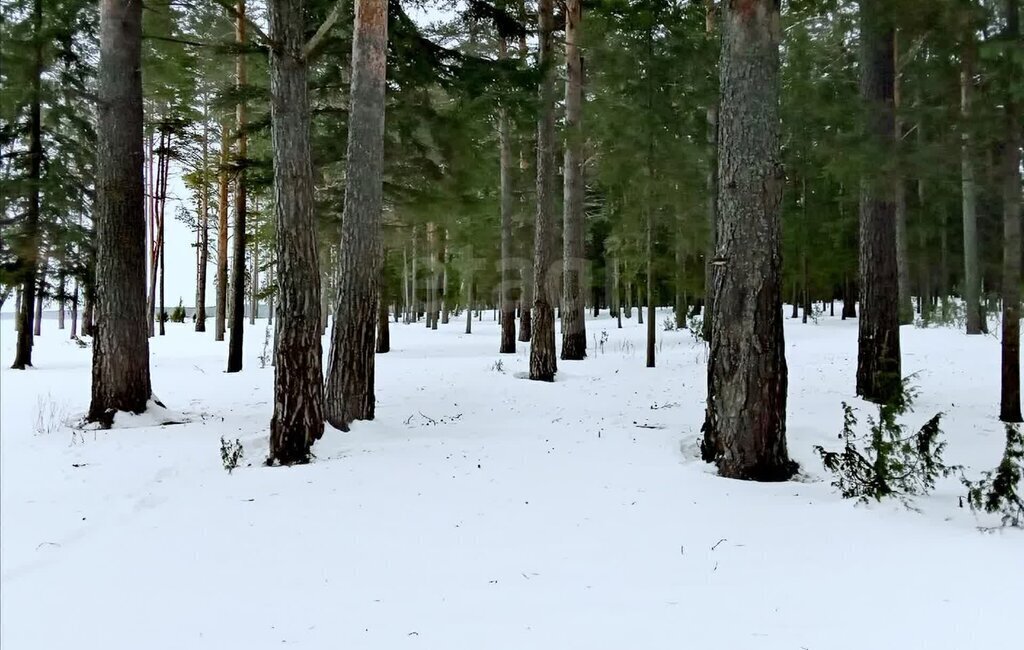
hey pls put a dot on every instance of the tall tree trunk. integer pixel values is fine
(220, 318)
(574, 331)
(745, 429)
(254, 283)
(507, 345)
(543, 364)
(350, 377)
(639, 305)
(298, 383)
(204, 223)
(711, 184)
(1009, 402)
(237, 325)
(28, 251)
(120, 352)
(414, 287)
(163, 247)
(969, 191)
(879, 377)
(906, 308)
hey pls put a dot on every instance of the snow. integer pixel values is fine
(482, 510)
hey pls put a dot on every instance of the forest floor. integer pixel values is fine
(484, 511)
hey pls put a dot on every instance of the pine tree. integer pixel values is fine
(744, 432)
(350, 374)
(120, 360)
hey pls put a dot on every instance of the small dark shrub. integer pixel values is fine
(998, 491)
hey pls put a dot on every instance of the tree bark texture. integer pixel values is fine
(1009, 402)
(879, 377)
(574, 330)
(543, 364)
(120, 359)
(298, 381)
(350, 380)
(237, 325)
(745, 428)
(906, 307)
(711, 113)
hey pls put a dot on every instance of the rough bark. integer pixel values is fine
(906, 307)
(298, 383)
(878, 344)
(574, 331)
(711, 183)
(120, 359)
(969, 192)
(237, 324)
(350, 381)
(745, 428)
(220, 318)
(543, 364)
(1009, 402)
(28, 251)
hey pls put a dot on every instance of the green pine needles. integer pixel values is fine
(998, 491)
(888, 461)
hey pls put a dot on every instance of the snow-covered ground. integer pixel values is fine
(484, 511)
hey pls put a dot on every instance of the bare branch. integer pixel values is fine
(313, 46)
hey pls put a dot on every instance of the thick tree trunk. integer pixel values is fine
(350, 380)
(298, 383)
(120, 353)
(237, 325)
(616, 293)
(507, 345)
(220, 318)
(1009, 402)
(745, 429)
(28, 251)
(969, 194)
(879, 377)
(711, 185)
(543, 364)
(906, 307)
(574, 331)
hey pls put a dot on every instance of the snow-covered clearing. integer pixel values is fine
(484, 511)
